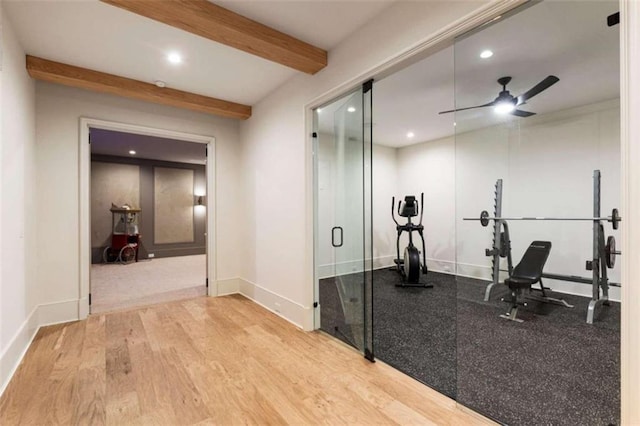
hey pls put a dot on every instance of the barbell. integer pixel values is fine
(485, 218)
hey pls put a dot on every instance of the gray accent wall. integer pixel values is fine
(111, 183)
(147, 202)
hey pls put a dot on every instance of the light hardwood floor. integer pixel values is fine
(207, 360)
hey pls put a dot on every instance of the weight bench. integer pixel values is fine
(527, 273)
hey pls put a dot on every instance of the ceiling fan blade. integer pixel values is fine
(463, 109)
(543, 85)
(520, 113)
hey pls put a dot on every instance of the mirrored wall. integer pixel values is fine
(494, 169)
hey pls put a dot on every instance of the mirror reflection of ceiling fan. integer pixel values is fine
(506, 103)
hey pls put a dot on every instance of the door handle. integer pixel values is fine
(333, 236)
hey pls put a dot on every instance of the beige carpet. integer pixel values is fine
(116, 286)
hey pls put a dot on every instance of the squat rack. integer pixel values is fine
(604, 255)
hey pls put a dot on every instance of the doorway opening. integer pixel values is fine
(147, 215)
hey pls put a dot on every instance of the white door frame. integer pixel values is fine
(85, 198)
(630, 209)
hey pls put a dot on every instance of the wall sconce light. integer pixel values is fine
(199, 200)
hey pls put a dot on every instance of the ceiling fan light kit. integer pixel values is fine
(504, 107)
(506, 103)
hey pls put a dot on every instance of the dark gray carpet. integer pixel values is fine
(415, 328)
(553, 369)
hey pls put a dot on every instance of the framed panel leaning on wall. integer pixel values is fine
(173, 205)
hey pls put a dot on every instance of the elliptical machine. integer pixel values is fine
(409, 267)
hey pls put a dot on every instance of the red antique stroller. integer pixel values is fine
(125, 238)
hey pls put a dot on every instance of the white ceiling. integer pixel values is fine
(98, 36)
(322, 23)
(568, 39)
(409, 101)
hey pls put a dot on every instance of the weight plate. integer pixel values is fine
(615, 218)
(610, 252)
(504, 245)
(483, 218)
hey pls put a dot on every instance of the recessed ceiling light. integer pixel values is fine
(174, 58)
(410, 135)
(160, 83)
(486, 54)
(351, 109)
(132, 152)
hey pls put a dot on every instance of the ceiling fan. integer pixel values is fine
(506, 103)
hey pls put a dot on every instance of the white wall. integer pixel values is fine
(325, 256)
(17, 213)
(58, 110)
(349, 258)
(275, 157)
(429, 168)
(426, 167)
(385, 186)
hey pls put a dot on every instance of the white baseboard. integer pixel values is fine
(228, 286)
(83, 308)
(12, 356)
(436, 265)
(58, 312)
(381, 262)
(352, 266)
(40, 316)
(469, 270)
(441, 266)
(289, 310)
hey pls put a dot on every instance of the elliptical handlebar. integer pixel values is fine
(393, 208)
(419, 208)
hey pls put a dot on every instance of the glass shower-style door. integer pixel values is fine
(342, 228)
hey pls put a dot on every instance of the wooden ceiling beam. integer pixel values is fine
(216, 23)
(69, 75)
